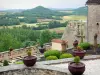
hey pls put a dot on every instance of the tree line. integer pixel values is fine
(19, 37)
(50, 25)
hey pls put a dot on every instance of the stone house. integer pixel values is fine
(58, 44)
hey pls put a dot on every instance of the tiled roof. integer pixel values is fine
(59, 41)
(93, 2)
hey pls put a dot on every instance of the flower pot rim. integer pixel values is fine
(82, 51)
(33, 57)
(30, 56)
(29, 61)
(77, 66)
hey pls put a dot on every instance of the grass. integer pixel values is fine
(74, 17)
(19, 62)
(27, 24)
(2, 13)
(67, 11)
(58, 30)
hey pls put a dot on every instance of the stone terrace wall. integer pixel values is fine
(17, 53)
(35, 70)
(42, 68)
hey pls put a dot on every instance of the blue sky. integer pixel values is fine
(27, 4)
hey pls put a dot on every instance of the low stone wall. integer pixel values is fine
(16, 53)
(42, 68)
(35, 70)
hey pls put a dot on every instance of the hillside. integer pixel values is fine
(31, 15)
(42, 12)
(81, 11)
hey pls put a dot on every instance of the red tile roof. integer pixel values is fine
(59, 41)
(93, 2)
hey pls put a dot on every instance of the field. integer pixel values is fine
(58, 30)
(74, 17)
(28, 25)
(67, 11)
(2, 13)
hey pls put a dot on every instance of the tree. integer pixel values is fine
(6, 41)
(45, 37)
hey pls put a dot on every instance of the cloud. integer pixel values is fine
(19, 4)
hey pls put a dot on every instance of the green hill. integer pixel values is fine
(81, 11)
(31, 15)
(42, 12)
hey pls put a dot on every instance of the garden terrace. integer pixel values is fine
(59, 67)
(17, 53)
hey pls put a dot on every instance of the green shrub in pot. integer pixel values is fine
(66, 55)
(85, 45)
(5, 63)
(52, 53)
(51, 58)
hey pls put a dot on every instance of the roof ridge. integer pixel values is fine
(93, 2)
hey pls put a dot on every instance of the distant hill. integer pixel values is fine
(12, 10)
(15, 17)
(81, 11)
(42, 12)
(62, 9)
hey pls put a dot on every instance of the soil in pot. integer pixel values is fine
(29, 60)
(76, 69)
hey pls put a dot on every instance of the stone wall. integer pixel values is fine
(71, 32)
(42, 68)
(16, 53)
(93, 19)
(35, 70)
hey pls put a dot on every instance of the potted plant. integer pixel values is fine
(75, 44)
(11, 49)
(5, 63)
(45, 37)
(76, 67)
(41, 48)
(29, 60)
(98, 48)
(79, 52)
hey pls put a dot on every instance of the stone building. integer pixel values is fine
(58, 44)
(91, 28)
(93, 20)
(73, 32)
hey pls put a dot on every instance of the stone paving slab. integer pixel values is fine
(92, 67)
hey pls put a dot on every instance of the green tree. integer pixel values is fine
(45, 37)
(7, 40)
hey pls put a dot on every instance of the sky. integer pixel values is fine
(28, 4)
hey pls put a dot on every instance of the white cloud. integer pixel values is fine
(47, 3)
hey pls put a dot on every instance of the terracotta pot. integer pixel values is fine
(81, 54)
(76, 69)
(29, 60)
